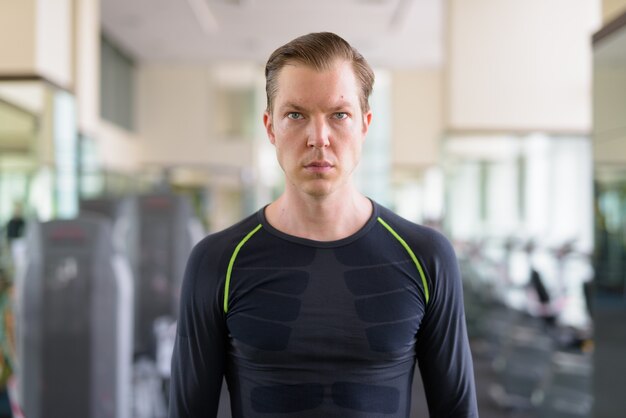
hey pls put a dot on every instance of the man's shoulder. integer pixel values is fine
(219, 241)
(424, 240)
(409, 230)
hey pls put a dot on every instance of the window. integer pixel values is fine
(234, 114)
(117, 85)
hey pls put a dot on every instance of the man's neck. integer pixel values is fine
(329, 218)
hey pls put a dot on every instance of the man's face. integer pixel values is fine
(317, 127)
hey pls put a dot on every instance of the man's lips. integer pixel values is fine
(318, 166)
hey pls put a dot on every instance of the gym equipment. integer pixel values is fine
(74, 322)
(167, 232)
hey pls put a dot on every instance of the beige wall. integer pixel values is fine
(36, 38)
(87, 65)
(416, 118)
(29, 95)
(118, 149)
(174, 119)
(612, 9)
(17, 36)
(54, 41)
(520, 65)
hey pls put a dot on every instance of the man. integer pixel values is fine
(320, 304)
(16, 225)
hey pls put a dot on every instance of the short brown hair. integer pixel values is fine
(319, 51)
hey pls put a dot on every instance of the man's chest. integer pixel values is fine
(325, 313)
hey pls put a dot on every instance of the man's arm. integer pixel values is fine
(443, 351)
(199, 355)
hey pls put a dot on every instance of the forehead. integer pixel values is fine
(303, 84)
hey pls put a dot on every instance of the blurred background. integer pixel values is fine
(130, 129)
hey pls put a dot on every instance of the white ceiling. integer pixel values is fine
(389, 33)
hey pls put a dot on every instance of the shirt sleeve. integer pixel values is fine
(198, 361)
(443, 351)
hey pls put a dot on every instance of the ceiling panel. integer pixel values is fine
(390, 33)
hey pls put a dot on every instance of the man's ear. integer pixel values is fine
(367, 119)
(269, 127)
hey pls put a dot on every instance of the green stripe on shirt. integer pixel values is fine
(232, 262)
(411, 253)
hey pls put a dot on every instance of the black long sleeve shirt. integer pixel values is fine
(304, 328)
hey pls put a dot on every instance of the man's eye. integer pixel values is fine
(294, 115)
(340, 115)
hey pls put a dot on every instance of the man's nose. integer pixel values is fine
(319, 134)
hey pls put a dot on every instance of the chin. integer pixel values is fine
(317, 188)
(317, 192)
(320, 189)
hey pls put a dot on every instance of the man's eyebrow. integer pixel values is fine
(292, 106)
(341, 105)
(337, 107)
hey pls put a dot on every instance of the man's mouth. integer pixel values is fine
(320, 166)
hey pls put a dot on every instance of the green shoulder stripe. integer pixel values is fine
(411, 253)
(232, 262)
